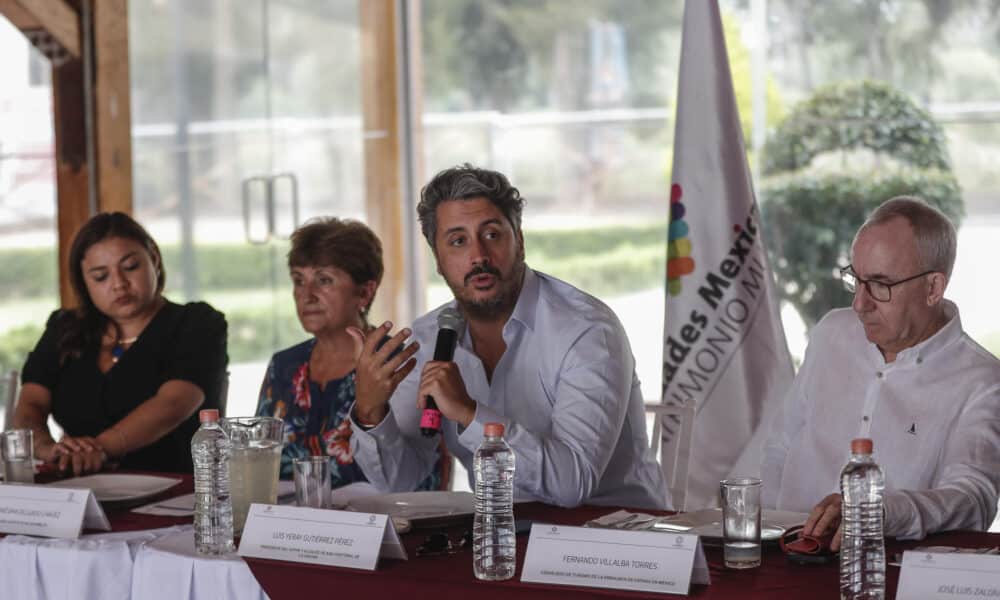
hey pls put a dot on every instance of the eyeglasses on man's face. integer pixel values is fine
(878, 290)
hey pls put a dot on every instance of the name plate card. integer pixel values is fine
(931, 575)
(611, 558)
(49, 511)
(324, 537)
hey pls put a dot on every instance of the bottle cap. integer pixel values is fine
(493, 429)
(861, 446)
(208, 415)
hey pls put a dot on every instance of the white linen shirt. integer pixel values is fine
(933, 415)
(565, 390)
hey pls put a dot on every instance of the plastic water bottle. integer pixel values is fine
(493, 542)
(213, 509)
(862, 550)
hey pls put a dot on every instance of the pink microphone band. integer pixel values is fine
(431, 419)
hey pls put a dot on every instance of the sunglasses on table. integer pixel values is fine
(440, 543)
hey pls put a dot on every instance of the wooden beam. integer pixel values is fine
(54, 16)
(72, 175)
(380, 92)
(18, 16)
(112, 131)
(112, 107)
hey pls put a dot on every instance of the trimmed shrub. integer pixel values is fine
(811, 216)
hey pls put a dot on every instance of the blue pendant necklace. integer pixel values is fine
(120, 347)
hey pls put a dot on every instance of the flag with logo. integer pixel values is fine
(724, 349)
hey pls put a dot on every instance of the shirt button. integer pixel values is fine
(920, 359)
(879, 374)
(865, 418)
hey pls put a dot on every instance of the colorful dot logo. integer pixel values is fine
(679, 261)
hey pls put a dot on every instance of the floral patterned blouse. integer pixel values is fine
(316, 419)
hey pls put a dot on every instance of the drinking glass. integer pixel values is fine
(18, 459)
(312, 481)
(741, 522)
(253, 463)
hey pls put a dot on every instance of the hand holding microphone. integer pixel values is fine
(440, 377)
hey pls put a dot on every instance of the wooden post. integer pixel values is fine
(72, 177)
(112, 106)
(379, 21)
(55, 17)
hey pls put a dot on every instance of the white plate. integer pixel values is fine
(114, 487)
(416, 506)
(708, 523)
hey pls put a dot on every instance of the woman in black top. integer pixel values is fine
(125, 372)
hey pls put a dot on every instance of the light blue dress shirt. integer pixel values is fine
(566, 392)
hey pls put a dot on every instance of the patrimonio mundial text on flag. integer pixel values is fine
(724, 348)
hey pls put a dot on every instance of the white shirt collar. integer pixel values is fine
(944, 337)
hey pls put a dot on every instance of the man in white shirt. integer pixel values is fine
(900, 370)
(551, 363)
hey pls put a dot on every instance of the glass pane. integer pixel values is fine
(572, 102)
(944, 57)
(29, 276)
(246, 122)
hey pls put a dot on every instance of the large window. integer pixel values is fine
(945, 58)
(573, 102)
(246, 122)
(29, 277)
(244, 107)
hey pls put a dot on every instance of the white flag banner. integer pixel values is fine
(724, 348)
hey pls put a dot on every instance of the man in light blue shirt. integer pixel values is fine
(551, 363)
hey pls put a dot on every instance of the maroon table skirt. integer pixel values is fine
(444, 577)
(450, 576)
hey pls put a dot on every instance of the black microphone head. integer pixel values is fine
(451, 318)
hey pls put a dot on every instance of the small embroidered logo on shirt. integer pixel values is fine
(913, 429)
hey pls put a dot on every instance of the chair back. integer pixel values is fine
(675, 455)
(223, 395)
(10, 387)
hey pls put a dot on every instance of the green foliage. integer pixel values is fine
(511, 55)
(742, 72)
(253, 335)
(811, 222)
(605, 260)
(16, 343)
(992, 343)
(852, 115)
(812, 216)
(561, 244)
(27, 272)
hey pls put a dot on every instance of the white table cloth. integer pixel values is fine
(147, 565)
(169, 568)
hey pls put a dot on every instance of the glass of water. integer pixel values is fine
(312, 481)
(741, 522)
(18, 456)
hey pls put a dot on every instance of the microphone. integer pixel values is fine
(450, 323)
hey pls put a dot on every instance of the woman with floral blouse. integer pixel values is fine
(336, 267)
